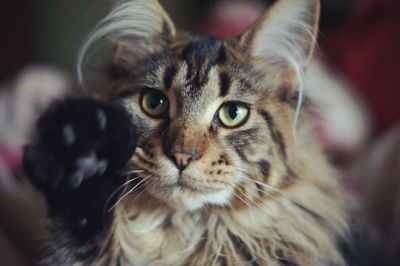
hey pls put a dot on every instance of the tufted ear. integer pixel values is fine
(136, 28)
(285, 35)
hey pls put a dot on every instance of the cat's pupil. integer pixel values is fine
(233, 111)
(156, 101)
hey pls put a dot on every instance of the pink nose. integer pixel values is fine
(182, 160)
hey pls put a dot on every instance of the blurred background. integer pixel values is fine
(51, 31)
(353, 81)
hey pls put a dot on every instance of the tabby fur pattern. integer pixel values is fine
(201, 193)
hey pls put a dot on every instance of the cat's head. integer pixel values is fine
(216, 116)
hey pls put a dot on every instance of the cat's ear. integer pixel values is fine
(285, 35)
(136, 28)
(139, 27)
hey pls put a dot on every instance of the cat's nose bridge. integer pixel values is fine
(184, 145)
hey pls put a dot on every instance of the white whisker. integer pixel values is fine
(129, 172)
(138, 195)
(241, 199)
(249, 200)
(280, 192)
(119, 188)
(286, 195)
(127, 193)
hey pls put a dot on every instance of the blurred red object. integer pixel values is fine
(10, 157)
(366, 50)
(231, 18)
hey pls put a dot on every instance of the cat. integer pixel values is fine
(196, 153)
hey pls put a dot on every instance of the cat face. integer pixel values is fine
(208, 136)
(213, 115)
(203, 128)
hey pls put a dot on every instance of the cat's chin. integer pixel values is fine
(188, 198)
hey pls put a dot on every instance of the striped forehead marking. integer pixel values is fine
(198, 57)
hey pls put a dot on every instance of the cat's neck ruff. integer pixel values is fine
(149, 232)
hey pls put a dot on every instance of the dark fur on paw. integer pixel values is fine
(77, 159)
(79, 139)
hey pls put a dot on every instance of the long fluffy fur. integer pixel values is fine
(267, 236)
(302, 211)
(129, 22)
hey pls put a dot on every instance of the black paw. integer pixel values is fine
(77, 160)
(79, 141)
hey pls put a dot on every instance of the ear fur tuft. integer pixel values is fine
(284, 38)
(286, 33)
(135, 27)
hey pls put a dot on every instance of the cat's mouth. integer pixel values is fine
(187, 192)
(180, 187)
(185, 186)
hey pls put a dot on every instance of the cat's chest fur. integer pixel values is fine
(160, 236)
(214, 236)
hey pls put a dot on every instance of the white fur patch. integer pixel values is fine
(192, 201)
(219, 198)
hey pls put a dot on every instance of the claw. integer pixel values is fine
(76, 179)
(69, 135)
(102, 119)
(91, 165)
(88, 165)
(102, 167)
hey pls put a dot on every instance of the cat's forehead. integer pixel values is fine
(200, 69)
(193, 69)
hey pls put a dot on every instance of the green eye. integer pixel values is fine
(233, 114)
(154, 103)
